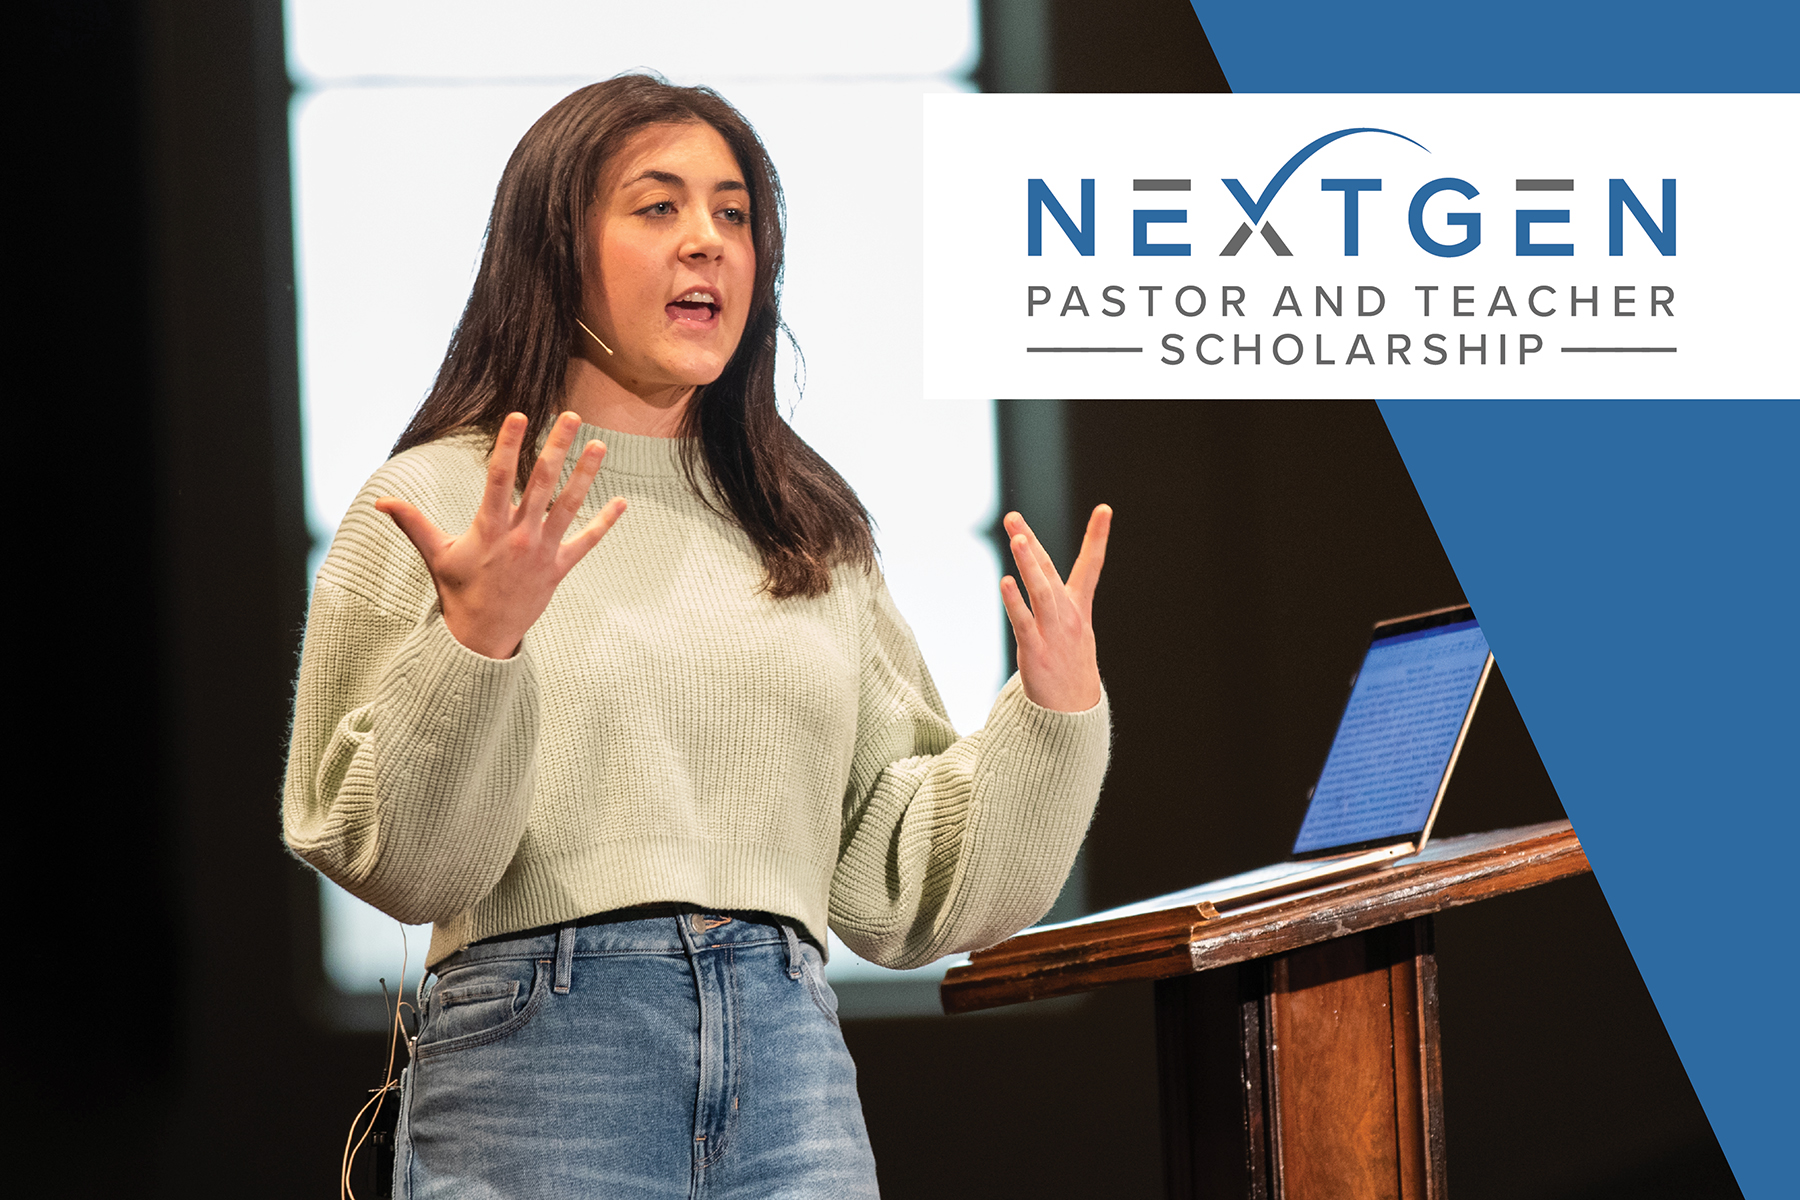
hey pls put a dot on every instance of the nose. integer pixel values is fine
(703, 241)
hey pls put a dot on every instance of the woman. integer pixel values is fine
(633, 781)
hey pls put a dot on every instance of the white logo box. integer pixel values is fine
(1699, 303)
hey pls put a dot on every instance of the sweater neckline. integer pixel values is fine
(636, 453)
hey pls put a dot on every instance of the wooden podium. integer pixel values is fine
(1297, 1038)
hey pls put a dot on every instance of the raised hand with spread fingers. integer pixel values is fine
(495, 579)
(1057, 663)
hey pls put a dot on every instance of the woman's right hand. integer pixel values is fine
(496, 578)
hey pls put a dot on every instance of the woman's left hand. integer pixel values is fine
(1057, 663)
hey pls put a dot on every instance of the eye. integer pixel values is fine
(661, 208)
(737, 216)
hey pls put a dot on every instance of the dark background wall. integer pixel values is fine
(177, 1047)
(153, 365)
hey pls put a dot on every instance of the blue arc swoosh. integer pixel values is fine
(1257, 207)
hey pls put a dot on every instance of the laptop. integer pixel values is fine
(1397, 742)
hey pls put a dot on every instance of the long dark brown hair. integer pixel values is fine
(511, 350)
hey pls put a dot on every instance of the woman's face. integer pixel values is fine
(670, 261)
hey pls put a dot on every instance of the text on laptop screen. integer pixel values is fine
(1396, 737)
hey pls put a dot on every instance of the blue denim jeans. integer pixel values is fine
(690, 1055)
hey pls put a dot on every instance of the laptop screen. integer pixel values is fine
(1394, 742)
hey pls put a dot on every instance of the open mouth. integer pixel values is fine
(697, 306)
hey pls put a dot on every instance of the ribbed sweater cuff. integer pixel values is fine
(445, 685)
(1068, 745)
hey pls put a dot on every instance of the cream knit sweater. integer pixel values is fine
(667, 733)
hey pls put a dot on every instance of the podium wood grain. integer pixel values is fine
(1297, 1039)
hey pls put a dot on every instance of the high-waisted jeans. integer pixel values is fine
(686, 1055)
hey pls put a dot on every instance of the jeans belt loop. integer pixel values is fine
(565, 959)
(793, 948)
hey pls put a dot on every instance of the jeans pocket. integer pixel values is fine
(481, 1003)
(812, 970)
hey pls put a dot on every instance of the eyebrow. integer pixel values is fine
(674, 180)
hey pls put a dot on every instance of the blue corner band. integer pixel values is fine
(1634, 565)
